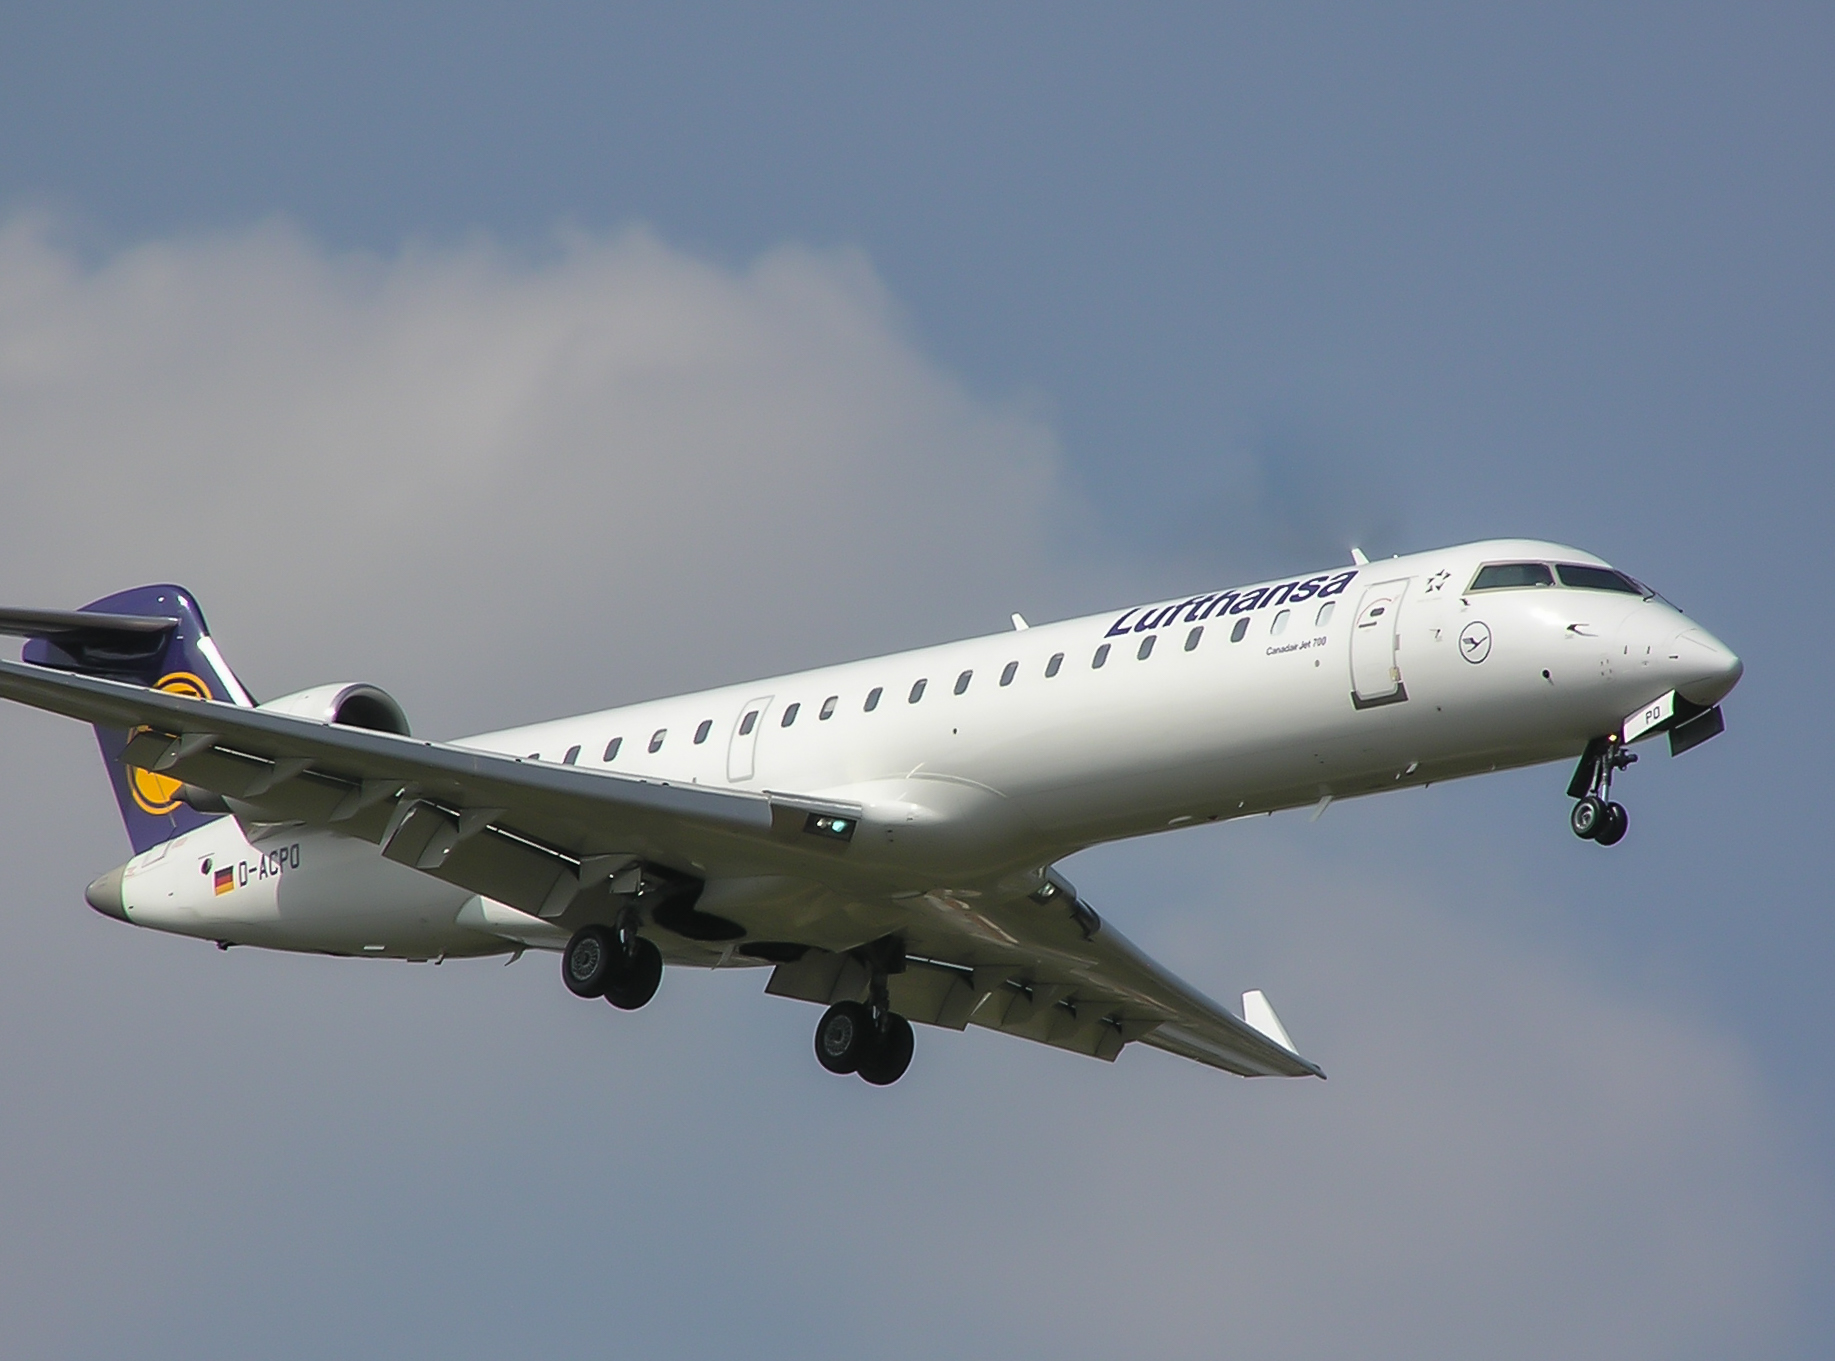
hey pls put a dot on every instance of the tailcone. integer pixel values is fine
(105, 896)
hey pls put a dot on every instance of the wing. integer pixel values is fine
(1041, 965)
(531, 834)
(1030, 959)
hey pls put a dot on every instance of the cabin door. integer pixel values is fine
(1376, 670)
(743, 749)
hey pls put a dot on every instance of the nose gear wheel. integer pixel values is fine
(1595, 816)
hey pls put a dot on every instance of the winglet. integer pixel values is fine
(1357, 556)
(1019, 622)
(1260, 1016)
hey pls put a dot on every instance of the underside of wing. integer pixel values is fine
(1043, 966)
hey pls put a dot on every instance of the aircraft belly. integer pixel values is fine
(297, 889)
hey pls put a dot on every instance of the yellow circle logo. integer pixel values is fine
(156, 794)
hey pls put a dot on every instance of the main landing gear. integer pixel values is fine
(868, 1038)
(618, 965)
(852, 1039)
(1596, 817)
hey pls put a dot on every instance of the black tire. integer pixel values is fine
(1613, 825)
(1588, 817)
(635, 980)
(891, 1056)
(588, 961)
(844, 1037)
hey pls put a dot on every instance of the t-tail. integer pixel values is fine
(153, 636)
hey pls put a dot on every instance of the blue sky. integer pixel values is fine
(1105, 308)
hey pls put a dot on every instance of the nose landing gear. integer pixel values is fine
(1596, 817)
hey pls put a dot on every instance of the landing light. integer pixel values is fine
(822, 824)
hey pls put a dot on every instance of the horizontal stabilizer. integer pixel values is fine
(1257, 1011)
(65, 623)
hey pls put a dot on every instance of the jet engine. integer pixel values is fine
(353, 704)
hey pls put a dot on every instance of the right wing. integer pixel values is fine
(1044, 967)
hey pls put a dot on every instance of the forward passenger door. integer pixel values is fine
(1376, 670)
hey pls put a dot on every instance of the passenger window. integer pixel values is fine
(611, 749)
(1595, 578)
(962, 682)
(1241, 630)
(828, 707)
(1146, 647)
(1102, 655)
(1500, 576)
(656, 739)
(790, 714)
(1051, 667)
(1191, 639)
(873, 698)
(749, 722)
(1280, 622)
(1009, 672)
(917, 692)
(1324, 616)
(700, 733)
(573, 754)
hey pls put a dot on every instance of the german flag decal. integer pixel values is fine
(225, 880)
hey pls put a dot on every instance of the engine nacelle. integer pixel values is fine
(351, 703)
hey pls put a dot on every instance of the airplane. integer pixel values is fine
(882, 835)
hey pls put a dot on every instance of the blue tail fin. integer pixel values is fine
(153, 636)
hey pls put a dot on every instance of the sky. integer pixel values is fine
(534, 359)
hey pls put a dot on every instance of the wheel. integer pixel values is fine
(891, 1055)
(1612, 825)
(844, 1037)
(1587, 818)
(586, 963)
(636, 975)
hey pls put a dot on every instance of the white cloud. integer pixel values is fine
(506, 485)
(469, 463)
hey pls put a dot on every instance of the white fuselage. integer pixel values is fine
(981, 758)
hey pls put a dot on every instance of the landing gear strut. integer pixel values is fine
(1596, 817)
(865, 1038)
(618, 965)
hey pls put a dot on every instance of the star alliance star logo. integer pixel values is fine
(1437, 580)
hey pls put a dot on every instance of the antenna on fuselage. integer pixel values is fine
(1019, 623)
(1357, 556)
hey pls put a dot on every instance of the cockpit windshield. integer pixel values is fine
(1597, 578)
(1500, 576)
(1504, 576)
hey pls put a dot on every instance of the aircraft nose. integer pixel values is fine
(1706, 668)
(104, 895)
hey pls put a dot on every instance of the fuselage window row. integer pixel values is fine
(1053, 665)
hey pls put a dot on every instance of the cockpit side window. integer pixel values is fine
(1500, 576)
(1596, 578)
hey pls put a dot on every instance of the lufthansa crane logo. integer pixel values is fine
(154, 793)
(1475, 642)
